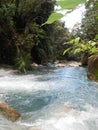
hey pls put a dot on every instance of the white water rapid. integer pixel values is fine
(64, 99)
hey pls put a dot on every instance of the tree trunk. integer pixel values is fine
(17, 3)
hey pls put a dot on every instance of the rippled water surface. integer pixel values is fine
(64, 99)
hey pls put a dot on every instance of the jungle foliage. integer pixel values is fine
(68, 5)
(85, 37)
(24, 35)
(82, 50)
(88, 29)
(23, 39)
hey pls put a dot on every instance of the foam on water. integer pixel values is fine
(73, 120)
(63, 100)
(27, 82)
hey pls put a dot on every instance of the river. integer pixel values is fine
(64, 99)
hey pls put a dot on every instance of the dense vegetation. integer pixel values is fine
(85, 37)
(23, 39)
(89, 28)
(31, 32)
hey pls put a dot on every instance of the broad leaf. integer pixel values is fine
(96, 37)
(69, 4)
(77, 40)
(53, 17)
(64, 4)
(77, 50)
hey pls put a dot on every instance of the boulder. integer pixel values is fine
(34, 65)
(67, 63)
(93, 68)
(8, 112)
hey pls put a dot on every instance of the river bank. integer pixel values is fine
(8, 69)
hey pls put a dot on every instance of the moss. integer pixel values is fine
(93, 68)
(96, 73)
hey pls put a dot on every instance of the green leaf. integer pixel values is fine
(83, 47)
(78, 50)
(66, 51)
(64, 4)
(96, 37)
(53, 17)
(77, 40)
(92, 43)
(94, 50)
(69, 4)
(72, 41)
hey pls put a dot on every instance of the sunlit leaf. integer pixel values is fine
(66, 51)
(96, 37)
(66, 5)
(92, 43)
(69, 4)
(78, 50)
(53, 17)
(77, 40)
(83, 46)
(93, 50)
(72, 41)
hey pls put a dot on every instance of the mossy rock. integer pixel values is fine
(93, 68)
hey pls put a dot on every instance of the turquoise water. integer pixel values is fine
(42, 98)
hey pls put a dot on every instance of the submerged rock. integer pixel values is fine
(93, 68)
(50, 70)
(8, 112)
(34, 129)
(66, 109)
